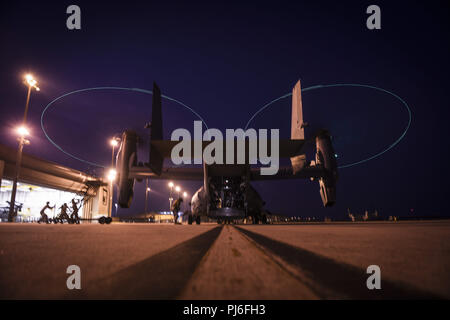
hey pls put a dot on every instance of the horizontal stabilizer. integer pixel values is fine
(298, 163)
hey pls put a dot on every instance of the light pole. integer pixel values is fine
(22, 130)
(111, 177)
(178, 189)
(170, 195)
(114, 143)
(184, 199)
(147, 190)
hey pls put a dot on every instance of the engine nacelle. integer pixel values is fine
(126, 158)
(326, 158)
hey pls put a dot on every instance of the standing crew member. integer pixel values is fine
(176, 208)
(74, 215)
(63, 213)
(44, 217)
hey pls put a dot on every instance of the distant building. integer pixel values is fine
(164, 216)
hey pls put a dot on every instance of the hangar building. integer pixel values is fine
(41, 181)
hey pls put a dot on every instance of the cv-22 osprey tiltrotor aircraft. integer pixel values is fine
(227, 194)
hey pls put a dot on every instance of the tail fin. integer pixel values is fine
(156, 131)
(297, 131)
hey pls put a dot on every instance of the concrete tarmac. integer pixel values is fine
(158, 261)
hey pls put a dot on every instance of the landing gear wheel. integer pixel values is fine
(197, 219)
(102, 220)
(108, 220)
(255, 220)
(190, 219)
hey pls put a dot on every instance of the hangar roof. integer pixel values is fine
(45, 173)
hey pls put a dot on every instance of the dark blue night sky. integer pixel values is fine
(226, 60)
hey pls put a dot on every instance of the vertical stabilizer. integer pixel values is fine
(297, 130)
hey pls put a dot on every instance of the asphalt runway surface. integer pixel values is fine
(208, 261)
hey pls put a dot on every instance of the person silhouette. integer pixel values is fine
(63, 213)
(74, 216)
(44, 217)
(176, 208)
